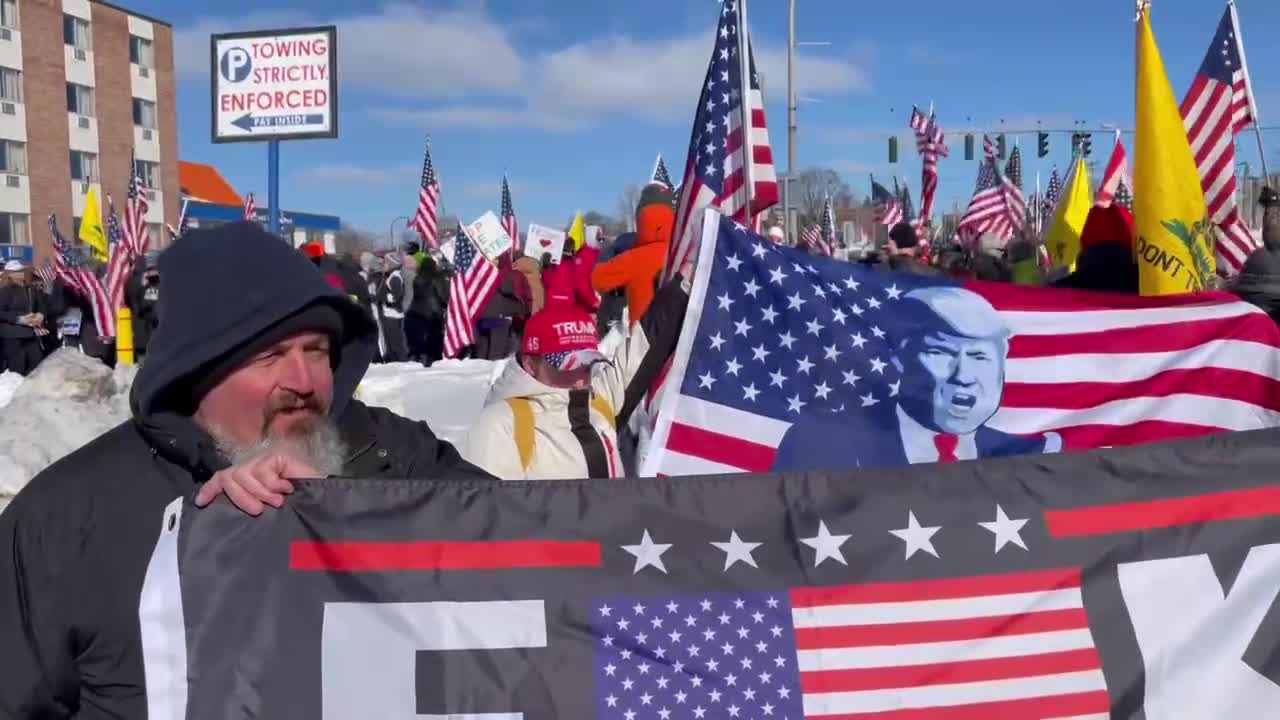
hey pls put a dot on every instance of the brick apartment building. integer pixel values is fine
(83, 85)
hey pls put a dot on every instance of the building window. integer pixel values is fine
(13, 157)
(10, 85)
(144, 113)
(80, 99)
(140, 52)
(75, 32)
(84, 166)
(148, 173)
(9, 14)
(14, 230)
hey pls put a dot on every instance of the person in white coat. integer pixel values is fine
(554, 412)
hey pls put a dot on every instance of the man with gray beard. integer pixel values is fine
(248, 383)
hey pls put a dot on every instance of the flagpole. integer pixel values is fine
(1248, 90)
(791, 119)
(744, 70)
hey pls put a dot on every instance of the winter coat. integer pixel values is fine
(571, 280)
(557, 451)
(142, 299)
(430, 290)
(76, 541)
(390, 296)
(19, 300)
(505, 303)
(634, 269)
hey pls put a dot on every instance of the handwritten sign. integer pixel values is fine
(489, 237)
(539, 240)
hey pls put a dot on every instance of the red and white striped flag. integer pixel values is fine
(509, 223)
(129, 242)
(1218, 106)
(1015, 645)
(931, 144)
(473, 283)
(988, 211)
(1015, 202)
(250, 208)
(720, 151)
(888, 206)
(1091, 370)
(1116, 174)
(424, 218)
(73, 267)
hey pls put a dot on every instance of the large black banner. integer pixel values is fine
(1126, 583)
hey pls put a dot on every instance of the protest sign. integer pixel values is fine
(489, 237)
(540, 239)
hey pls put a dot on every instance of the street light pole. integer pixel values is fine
(791, 118)
(391, 231)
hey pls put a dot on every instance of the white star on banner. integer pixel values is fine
(769, 314)
(734, 262)
(736, 550)
(1006, 530)
(647, 553)
(826, 545)
(917, 538)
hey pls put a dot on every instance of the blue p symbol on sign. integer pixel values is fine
(235, 64)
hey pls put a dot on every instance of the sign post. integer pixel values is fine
(274, 85)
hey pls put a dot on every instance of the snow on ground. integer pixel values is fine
(72, 398)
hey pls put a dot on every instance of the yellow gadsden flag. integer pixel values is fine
(91, 231)
(1169, 218)
(1063, 237)
(577, 232)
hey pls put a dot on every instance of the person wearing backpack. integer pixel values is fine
(555, 410)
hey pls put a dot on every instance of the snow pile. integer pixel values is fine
(448, 396)
(69, 400)
(9, 382)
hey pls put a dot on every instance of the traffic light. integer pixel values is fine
(1001, 146)
(1086, 143)
(968, 147)
(893, 149)
(1043, 145)
(1075, 143)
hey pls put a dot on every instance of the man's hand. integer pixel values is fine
(253, 485)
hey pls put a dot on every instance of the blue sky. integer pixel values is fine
(573, 98)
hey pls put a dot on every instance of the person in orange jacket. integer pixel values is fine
(636, 268)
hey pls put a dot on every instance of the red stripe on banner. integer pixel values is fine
(1197, 87)
(975, 586)
(1162, 337)
(813, 638)
(1088, 437)
(1165, 512)
(724, 449)
(1008, 297)
(1217, 383)
(963, 671)
(1037, 708)
(363, 556)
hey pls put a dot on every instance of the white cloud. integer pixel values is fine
(352, 174)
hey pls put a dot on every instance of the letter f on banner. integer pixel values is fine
(369, 651)
(1193, 639)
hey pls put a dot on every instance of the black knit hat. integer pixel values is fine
(904, 236)
(655, 194)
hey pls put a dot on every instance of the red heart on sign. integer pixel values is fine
(544, 242)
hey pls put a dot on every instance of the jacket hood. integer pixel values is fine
(516, 382)
(225, 287)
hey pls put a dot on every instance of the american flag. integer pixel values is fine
(47, 272)
(1218, 106)
(424, 218)
(119, 260)
(250, 208)
(660, 174)
(1123, 198)
(509, 223)
(820, 238)
(1013, 197)
(931, 144)
(719, 151)
(779, 336)
(129, 242)
(1116, 174)
(73, 267)
(473, 283)
(1051, 194)
(987, 211)
(888, 206)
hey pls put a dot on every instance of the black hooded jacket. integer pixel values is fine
(75, 543)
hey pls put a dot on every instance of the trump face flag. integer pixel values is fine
(1134, 582)
(789, 361)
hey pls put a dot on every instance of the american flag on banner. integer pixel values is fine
(660, 174)
(888, 206)
(472, 284)
(719, 150)
(776, 338)
(424, 218)
(509, 223)
(250, 207)
(72, 265)
(1115, 175)
(1014, 200)
(1218, 106)
(987, 211)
